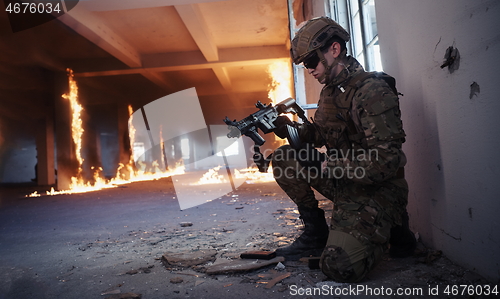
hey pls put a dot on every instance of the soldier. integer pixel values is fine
(358, 121)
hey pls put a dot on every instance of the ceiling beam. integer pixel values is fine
(197, 27)
(173, 68)
(107, 5)
(95, 30)
(221, 73)
(182, 61)
(157, 79)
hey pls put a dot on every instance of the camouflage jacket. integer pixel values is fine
(360, 123)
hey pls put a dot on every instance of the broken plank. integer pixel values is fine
(275, 280)
(242, 265)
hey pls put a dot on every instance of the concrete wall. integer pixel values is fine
(17, 152)
(453, 130)
(20, 161)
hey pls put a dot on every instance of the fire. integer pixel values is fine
(77, 184)
(212, 176)
(141, 175)
(131, 132)
(281, 86)
(76, 120)
(253, 175)
(281, 74)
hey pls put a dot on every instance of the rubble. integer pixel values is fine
(203, 260)
(188, 259)
(140, 270)
(280, 267)
(186, 224)
(176, 279)
(112, 290)
(277, 279)
(241, 265)
(198, 282)
(125, 296)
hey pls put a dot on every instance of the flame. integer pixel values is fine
(253, 175)
(280, 72)
(76, 185)
(280, 88)
(125, 173)
(212, 176)
(76, 120)
(131, 132)
(162, 148)
(141, 175)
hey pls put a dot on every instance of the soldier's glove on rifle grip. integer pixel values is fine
(280, 124)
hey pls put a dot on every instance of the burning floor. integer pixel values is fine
(133, 241)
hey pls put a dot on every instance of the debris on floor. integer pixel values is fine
(112, 290)
(188, 259)
(140, 270)
(201, 260)
(125, 296)
(241, 265)
(186, 224)
(277, 279)
(176, 279)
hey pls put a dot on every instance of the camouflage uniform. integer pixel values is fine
(359, 121)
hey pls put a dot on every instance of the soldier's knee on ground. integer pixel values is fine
(346, 259)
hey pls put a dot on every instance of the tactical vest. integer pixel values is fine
(340, 128)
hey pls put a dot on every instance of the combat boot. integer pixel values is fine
(313, 240)
(403, 242)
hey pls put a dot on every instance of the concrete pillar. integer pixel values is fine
(91, 145)
(106, 142)
(45, 152)
(124, 150)
(67, 166)
(123, 138)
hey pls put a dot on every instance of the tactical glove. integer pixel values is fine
(280, 124)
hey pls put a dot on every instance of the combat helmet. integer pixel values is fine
(314, 35)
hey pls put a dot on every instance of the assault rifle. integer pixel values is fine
(264, 120)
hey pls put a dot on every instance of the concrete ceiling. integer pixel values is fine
(133, 52)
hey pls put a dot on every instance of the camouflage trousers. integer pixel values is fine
(361, 220)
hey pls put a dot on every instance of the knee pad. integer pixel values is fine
(341, 257)
(346, 259)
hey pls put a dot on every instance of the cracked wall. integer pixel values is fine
(451, 122)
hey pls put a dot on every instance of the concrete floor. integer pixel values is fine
(107, 243)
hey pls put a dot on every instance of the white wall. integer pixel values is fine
(453, 145)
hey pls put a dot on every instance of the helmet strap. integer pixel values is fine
(328, 67)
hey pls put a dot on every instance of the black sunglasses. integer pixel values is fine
(311, 61)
